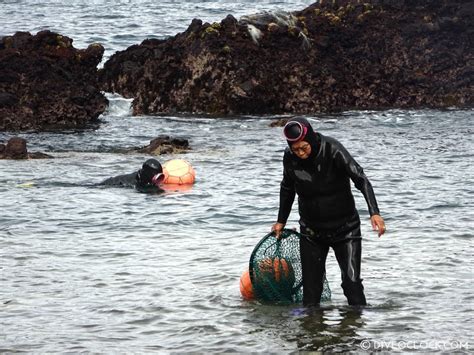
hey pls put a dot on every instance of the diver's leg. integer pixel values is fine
(313, 267)
(348, 255)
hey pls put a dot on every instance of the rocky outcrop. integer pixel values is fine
(165, 145)
(45, 83)
(16, 149)
(334, 55)
(279, 123)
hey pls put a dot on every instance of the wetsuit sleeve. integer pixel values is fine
(345, 161)
(287, 192)
(127, 180)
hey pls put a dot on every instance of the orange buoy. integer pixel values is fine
(176, 187)
(246, 288)
(178, 172)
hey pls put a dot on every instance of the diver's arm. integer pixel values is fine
(362, 183)
(287, 193)
(287, 196)
(127, 180)
(357, 175)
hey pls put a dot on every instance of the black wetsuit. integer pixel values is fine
(328, 217)
(132, 180)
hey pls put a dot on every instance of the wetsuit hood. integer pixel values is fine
(149, 170)
(299, 129)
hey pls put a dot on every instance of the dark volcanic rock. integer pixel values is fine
(279, 123)
(334, 55)
(165, 145)
(45, 83)
(16, 149)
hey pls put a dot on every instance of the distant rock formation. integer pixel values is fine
(279, 123)
(165, 145)
(16, 149)
(334, 55)
(45, 83)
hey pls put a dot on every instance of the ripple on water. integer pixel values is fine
(88, 269)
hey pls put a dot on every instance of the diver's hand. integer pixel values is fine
(277, 228)
(378, 224)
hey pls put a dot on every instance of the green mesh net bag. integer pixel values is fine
(275, 269)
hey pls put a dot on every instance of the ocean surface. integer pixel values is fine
(107, 270)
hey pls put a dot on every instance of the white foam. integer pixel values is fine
(119, 106)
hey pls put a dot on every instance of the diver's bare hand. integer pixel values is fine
(277, 228)
(378, 224)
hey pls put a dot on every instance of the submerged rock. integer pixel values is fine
(16, 149)
(334, 55)
(165, 145)
(279, 123)
(45, 83)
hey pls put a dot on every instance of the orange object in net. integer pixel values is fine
(277, 267)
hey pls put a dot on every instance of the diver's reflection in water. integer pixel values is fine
(329, 329)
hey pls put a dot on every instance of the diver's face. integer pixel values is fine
(302, 149)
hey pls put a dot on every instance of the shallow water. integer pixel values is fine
(88, 268)
(84, 268)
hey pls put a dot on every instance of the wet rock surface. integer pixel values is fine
(332, 56)
(279, 123)
(15, 148)
(47, 84)
(165, 145)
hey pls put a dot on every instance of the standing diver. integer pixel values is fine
(319, 169)
(147, 179)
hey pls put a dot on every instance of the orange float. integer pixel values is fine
(178, 172)
(246, 288)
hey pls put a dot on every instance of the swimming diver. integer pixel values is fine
(147, 179)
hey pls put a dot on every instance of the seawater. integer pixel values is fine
(85, 268)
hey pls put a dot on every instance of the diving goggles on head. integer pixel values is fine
(158, 179)
(294, 131)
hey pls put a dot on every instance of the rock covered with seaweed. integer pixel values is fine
(45, 83)
(15, 148)
(165, 144)
(332, 56)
